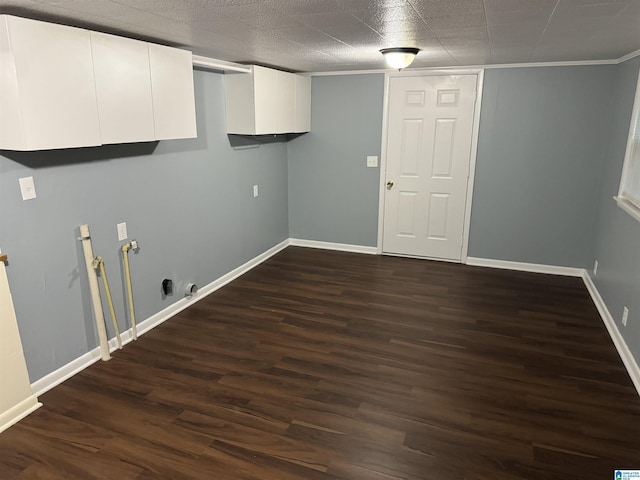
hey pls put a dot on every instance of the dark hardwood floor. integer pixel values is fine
(330, 365)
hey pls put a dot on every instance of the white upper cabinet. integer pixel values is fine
(47, 88)
(65, 87)
(286, 95)
(123, 88)
(174, 108)
(303, 104)
(265, 81)
(265, 101)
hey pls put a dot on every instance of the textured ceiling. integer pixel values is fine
(325, 35)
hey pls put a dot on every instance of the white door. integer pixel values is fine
(430, 131)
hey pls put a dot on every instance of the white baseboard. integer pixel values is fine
(67, 371)
(18, 412)
(180, 305)
(343, 247)
(618, 340)
(49, 381)
(525, 267)
(612, 327)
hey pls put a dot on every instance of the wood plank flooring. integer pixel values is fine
(329, 365)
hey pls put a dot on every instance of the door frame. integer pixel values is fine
(472, 160)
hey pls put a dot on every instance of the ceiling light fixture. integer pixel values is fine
(399, 57)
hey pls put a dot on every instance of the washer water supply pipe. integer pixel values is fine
(85, 237)
(133, 245)
(99, 263)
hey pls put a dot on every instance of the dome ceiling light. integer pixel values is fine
(399, 57)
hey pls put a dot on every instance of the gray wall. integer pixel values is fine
(550, 154)
(333, 196)
(543, 133)
(188, 202)
(617, 246)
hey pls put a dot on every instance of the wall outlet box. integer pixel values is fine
(27, 188)
(372, 161)
(122, 231)
(625, 316)
(255, 191)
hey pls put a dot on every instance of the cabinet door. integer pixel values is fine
(54, 84)
(265, 82)
(286, 93)
(123, 88)
(11, 133)
(239, 104)
(174, 108)
(303, 104)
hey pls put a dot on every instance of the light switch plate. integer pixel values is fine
(122, 231)
(27, 188)
(372, 161)
(255, 191)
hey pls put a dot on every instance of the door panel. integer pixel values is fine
(443, 147)
(411, 146)
(406, 214)
(438, 214)
(430, 128)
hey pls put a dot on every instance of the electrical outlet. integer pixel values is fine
(27, 188)
(595, 268)
(255, 191)
(625, 316)
(122, 231)
(372, 161)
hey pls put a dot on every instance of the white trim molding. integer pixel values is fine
(629, 361)
(629, 56)
(53, 379)
(473, 154)
(18, 412)
(16, 395)
(628, 207)
(67, 371)
(525, 267)
(342, 247)
(473, 159)
(574, 63)
(627, 357)
(383, 164)
(219, 65)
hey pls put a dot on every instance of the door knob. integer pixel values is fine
(389, 184)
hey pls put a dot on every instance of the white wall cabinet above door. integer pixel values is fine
(47, 88)
(265, 101)
(174, 108)
(123, 89)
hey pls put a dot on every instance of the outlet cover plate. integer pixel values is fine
(122, 231)
(625, 316)
(372, 161)
(27, 188)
